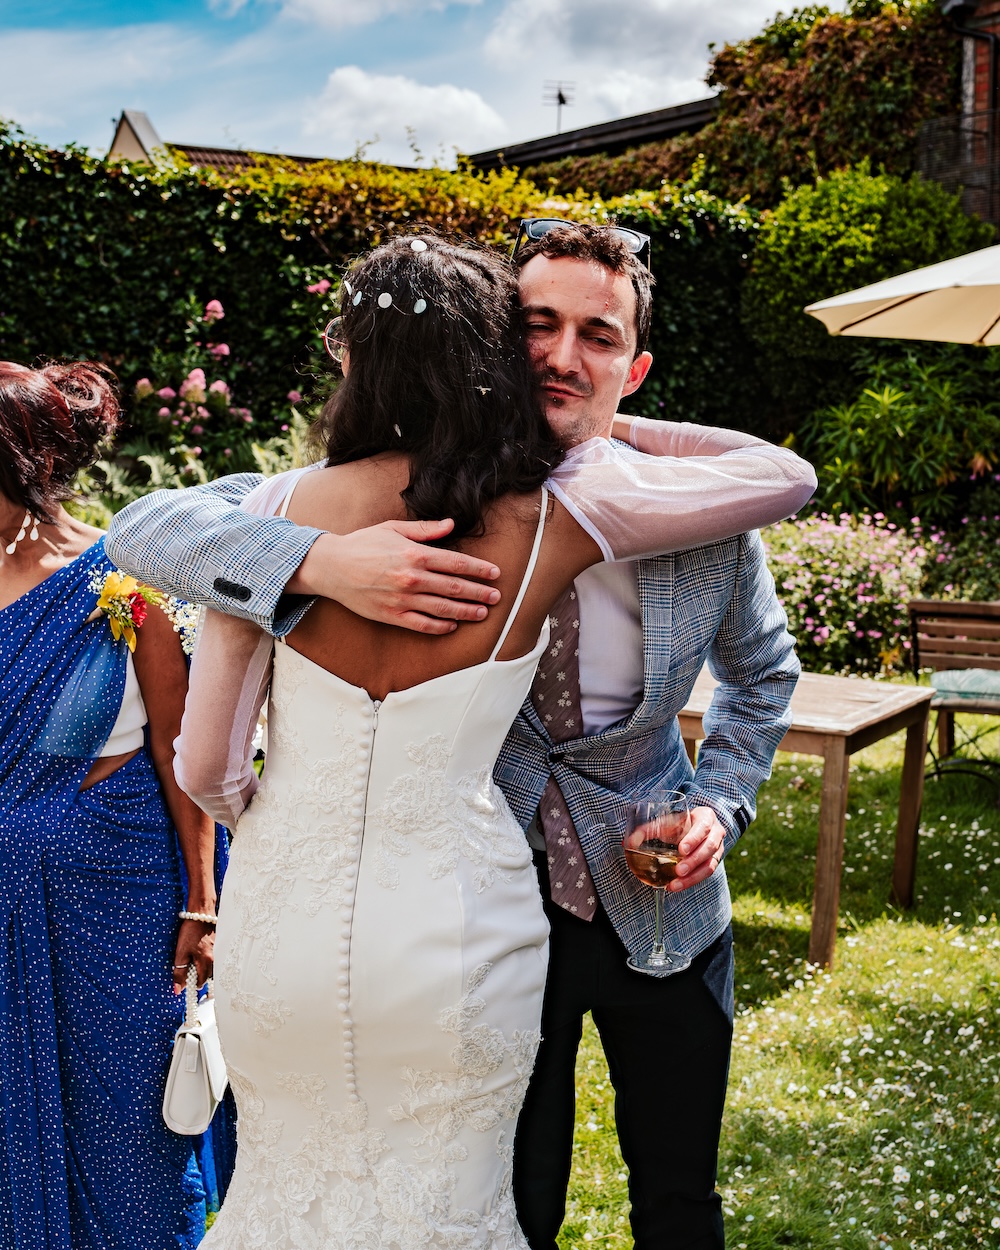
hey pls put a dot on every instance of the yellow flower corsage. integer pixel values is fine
(124, 602)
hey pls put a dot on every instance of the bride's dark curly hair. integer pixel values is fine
(440, 373)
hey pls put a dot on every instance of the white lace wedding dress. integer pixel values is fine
(379, 967)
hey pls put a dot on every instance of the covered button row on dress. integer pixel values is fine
(361, 773)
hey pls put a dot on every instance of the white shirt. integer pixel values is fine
(611, 668)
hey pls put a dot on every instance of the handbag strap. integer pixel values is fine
(191, 996)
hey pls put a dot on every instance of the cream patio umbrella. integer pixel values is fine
(954, 301)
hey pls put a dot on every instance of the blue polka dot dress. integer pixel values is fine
(90, 886)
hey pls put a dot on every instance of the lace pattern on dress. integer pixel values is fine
(468, 818)
(368, 1201)
(281, 845)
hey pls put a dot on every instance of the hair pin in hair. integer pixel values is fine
(384, 300)
(418, 245)
(399, 432)
(420, 305)
(348, 288)
(357, 298)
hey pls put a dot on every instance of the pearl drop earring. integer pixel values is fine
(28, 519)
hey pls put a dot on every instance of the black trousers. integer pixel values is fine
(668, 1119)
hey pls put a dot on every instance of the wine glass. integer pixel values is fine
(656, 826)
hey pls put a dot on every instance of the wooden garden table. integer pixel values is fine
(834, 717)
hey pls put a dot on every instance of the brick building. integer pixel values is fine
(962, 151)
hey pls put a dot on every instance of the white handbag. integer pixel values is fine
(196, 1078)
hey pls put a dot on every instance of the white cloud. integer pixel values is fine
(356, 106)
(624, 59)
(71, 84)
(338, 14)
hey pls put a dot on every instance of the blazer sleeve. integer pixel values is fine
(201, 546)
(753, 659)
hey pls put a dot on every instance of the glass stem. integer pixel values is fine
(658, 944)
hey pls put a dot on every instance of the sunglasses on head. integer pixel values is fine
(533, 228)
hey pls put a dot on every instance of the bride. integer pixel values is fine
(381, 948)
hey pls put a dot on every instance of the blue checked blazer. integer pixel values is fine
(715, 603)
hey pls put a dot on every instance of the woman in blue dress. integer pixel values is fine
(99, 852)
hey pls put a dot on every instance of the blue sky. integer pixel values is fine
(319, 77)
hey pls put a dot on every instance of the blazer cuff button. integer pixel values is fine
(232, 590)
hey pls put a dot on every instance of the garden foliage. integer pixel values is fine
(845, 584)
(922, 437)
(843, 232)
(813, 92)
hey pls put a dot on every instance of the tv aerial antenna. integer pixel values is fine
(561, 95)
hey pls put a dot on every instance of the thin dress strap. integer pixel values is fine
(282, 511)
(532, 560)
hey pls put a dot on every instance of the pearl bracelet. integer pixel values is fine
(203, 916)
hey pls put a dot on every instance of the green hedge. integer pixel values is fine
(842, 232)
(116, 262)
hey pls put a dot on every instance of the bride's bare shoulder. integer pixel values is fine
(345, 497)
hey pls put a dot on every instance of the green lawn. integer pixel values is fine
(864, 1103)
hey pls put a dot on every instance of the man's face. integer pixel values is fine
(580, 325)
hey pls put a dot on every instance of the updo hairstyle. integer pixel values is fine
(52, 423)
(438, 370)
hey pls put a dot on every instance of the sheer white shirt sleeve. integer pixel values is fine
(693, 485)
(229, 680)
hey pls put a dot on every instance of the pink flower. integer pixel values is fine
(195, 451)
(319, 288)
(167, 392)
(227, 451)
(213, 311)
(197, 429)
(164, 412)
(143, 388)
(284, 427)
(219, 388)
(219, 350)
(294, 397)
(193, 386)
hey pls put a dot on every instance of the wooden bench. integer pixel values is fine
(946, 636)
(834, 717)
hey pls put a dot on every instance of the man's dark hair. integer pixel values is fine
(438, 370)
(584, 240)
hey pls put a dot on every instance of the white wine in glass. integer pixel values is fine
(656, 826)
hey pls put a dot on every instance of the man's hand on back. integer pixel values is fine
(386, 573)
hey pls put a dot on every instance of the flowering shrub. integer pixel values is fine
(845, 584)
(966, 562)
(194, 423)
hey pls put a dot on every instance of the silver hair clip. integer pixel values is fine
(399, 432)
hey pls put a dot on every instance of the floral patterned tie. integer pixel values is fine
(555, 693)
